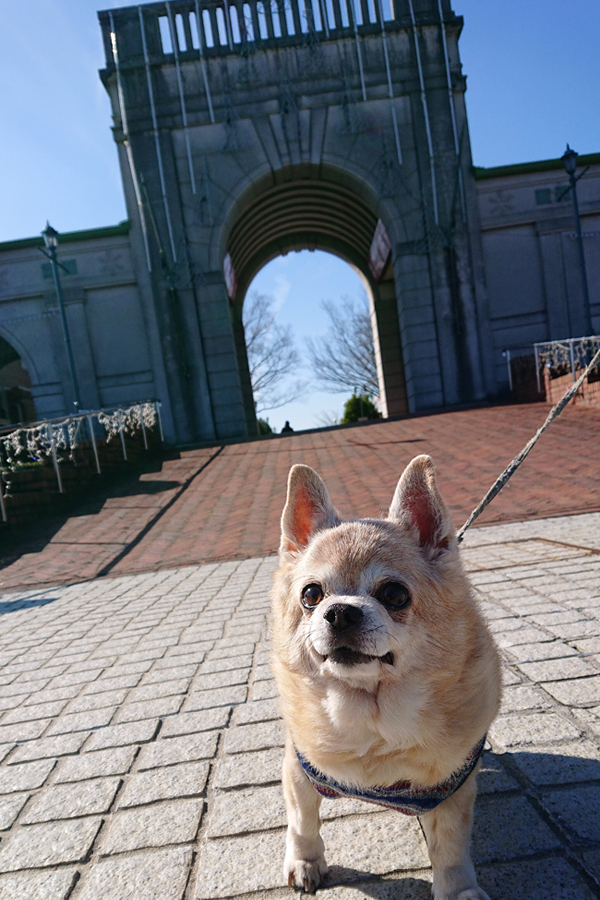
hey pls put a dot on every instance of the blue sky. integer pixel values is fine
(533, 84)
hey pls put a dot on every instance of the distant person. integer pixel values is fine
(287, 428)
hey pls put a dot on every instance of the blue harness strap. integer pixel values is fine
(403, 796)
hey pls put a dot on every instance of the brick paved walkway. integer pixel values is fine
(226, 503)
(140, 745)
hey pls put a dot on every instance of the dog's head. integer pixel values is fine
(360, 597)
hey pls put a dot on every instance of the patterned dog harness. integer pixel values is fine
(403, 797)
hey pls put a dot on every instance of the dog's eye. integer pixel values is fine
(393, 594)
(311, 596)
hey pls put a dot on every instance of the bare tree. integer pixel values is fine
(344, 357)
(328, 418)
(272, 356)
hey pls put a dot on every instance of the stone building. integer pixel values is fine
(111, 337)
(246, 130)
(532, 270)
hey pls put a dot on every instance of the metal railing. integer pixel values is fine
(36, 441)
(511, 353)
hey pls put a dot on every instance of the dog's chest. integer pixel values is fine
(365, 723)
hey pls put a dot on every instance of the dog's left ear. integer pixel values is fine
(418, 504)
(308, 508)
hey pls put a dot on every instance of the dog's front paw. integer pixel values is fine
(457, 883)
(305, 874)
(470, 893)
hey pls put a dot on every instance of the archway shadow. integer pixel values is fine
(9, 606)
(33, 537)
(397, 887)
(547, 770)
(144, 488)
(536, 810)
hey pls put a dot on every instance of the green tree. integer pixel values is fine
(263, 426)
(359, 406)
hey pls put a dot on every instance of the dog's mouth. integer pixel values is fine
(346, 656)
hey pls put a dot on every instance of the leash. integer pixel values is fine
(514, 465)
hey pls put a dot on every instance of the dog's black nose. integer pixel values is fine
(343, 615)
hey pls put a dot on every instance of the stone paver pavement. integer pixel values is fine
(140, 745)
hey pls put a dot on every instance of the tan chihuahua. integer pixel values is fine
(388, 675)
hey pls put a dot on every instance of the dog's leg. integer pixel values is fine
(304, 864)
(448, 832)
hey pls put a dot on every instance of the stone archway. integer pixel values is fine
(16, 402)
(311, 209)
(299, 132)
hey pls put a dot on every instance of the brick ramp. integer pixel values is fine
(97, 533)
(233, 508)
(228, 505)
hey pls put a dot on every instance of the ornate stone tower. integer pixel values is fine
(248, 129)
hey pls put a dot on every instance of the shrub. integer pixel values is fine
(358, 407)
(263, 426)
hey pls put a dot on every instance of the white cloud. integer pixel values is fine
(281, 290)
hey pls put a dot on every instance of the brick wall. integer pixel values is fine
(33, 491)
(587, 395)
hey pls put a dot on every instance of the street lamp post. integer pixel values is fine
(569, 159)
(50, 236)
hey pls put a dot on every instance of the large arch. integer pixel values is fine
(27, 358)
(310, 208)
(16, 402)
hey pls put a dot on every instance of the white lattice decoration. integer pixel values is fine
(46, 439)
(36, 442)
(130, 420)
(573, 353)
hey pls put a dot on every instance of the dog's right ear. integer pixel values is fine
(418, 504)
(308, 508)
